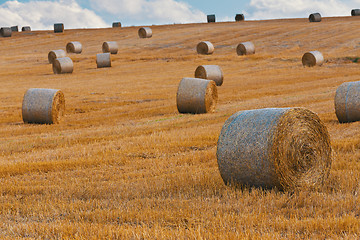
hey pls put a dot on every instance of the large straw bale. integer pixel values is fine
(44, 106)
(145, 32)
(58, 27)
(103, 60)
(5, 32)
(245, 48)
(315, 17)
(111, 47)
(239, 17)
(347, 102)
(312, 58)
(54, 54)
(116, 24)
(63, 65)
(211, 18)
(205, 47)
(355, 12)
(74, 47)
(14, 29)
(210, 72)
(286, 148)
(26, 29)
(196, 95)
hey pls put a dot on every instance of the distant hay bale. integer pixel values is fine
(196, 95)
(14, 28)
(74, 47)
(145, 32)
(210, 72)
(58, 27)
(245, 48)
(43, 106)
(103, 60)
(54, 54)
(63, 65)
(111, 47)
(116, 24)
(239, 17)
(315, 17)
(286, 148)
(312, 58)
(205, 47)
(26, 29)
(355, 12)
(211, 18)
(347, 102)
(5, 32)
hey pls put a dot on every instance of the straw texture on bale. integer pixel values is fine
(74, 47)
(145, 32)
(111, 47)
(14, 28)
(63, 65)
(116, 24)
(196, 95)
(347, 102)
(211, 18)
(239, 17)
(205, 47)
(54, 54)
(210, 72)
(5, 32)
(103, 60)
(58, 27)
(245, 48)
(26, 29)
(315, 17)
(43, 106)
(312, 58)
(284, 148)
(355, 12)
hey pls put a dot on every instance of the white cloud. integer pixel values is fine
(270, 9)
(43, 14)
(153, 11)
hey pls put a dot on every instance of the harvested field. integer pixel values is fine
(124, 164)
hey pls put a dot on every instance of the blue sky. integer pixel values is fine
(41, 14)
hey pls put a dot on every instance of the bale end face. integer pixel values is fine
(312, 58)
(103, 60)
(239, 17)
(205, 48)
(210, 72)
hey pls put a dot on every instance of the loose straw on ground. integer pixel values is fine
(196, 95)
(284, 148)
(245, 48)
(312, 58)
(103, 60)
(43, 106)
(347, 102)
(145, 32)
(205, 48)
(74, 47)
(63, 65)
(210, 72)
(54, 54)
(111, 47)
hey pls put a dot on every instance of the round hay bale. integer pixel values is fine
(44, 106)
(103, 60)
(205, 47)
(245, 48)
(14, 28)
(355, 12)
(347, 102)
(286, 148)
(312, 58)
(111, 47)
(54, 54)
(145, 32)
(26, 29)
(5, 32)
(210, 72)
(63, 65)
(116, 24)
(74, 47)
(315, 17)
(196, 95)
(239, 17)
(211, 18)
(58, 27)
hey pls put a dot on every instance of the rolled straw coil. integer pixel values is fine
(26, 29)
(111, 47)
(44, 106)
(286, 148)
(245, 48)
(145, 32)
(239, 17)
(211, 18)
(355, 12)
(116, 24)
(103, 60)
(58, 27)
(347, 102)
(74, 47)
(5, 32)
(210, 72)
(196, 95)
(63, 65)
(315, 17)
(205, 47)
(312, 58)
(54, 54)
(14, 28)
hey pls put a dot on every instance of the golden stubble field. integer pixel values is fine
(125, 165)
